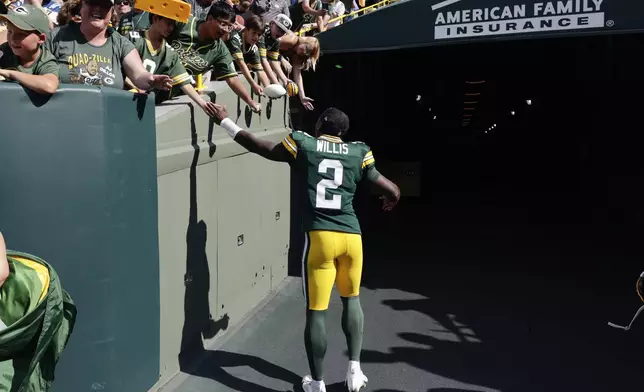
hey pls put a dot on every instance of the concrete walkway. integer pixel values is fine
(457, 306)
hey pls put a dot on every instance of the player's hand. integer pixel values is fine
(388, 205)
(209, 108)
(221, 113)
(306, 102)
(161, 82)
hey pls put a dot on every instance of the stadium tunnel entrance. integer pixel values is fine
(528, 158)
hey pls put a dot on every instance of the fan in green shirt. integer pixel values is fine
(134, 20)
(92, 53)
(269, 48)
(243, 48)
(22, 57)
(201, 49)
(159, 58)
(37, 317)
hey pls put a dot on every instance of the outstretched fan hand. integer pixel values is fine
(161, 82)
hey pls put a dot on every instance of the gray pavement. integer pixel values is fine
(266, 353)
(458, 305)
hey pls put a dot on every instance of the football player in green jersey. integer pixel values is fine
(331, 169)
(159, 58)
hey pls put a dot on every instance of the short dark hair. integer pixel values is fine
(254, 23)
(334, 122)
(221, 9)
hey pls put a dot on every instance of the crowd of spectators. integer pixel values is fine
(110, 43)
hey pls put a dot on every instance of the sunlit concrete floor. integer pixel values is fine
(462, 300)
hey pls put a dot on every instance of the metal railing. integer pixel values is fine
(351, 15)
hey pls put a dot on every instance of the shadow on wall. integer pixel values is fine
(198, 320)
(503, 316)
(198, 324)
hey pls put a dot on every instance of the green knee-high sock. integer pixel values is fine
(315, 341)
(352, 325)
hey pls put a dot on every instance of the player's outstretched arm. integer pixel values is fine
(264, 148)
(389, 190)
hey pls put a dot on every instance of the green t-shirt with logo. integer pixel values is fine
(200, 57)
(331, 170)
(163, 61)
(82, 63)
(240, 50)
(45, 63)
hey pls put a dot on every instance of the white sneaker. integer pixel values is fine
(356, 380)
(310, 385)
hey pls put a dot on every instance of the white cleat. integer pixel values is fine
(356, 380)
(310, 385)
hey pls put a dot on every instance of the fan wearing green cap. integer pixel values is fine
(23, 58)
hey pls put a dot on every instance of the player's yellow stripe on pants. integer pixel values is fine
(330, 257)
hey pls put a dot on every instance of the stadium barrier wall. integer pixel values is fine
(164, 239)
(224, 220)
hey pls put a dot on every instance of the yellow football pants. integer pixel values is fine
(330, 257)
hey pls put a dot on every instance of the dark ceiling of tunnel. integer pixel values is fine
(471, 87)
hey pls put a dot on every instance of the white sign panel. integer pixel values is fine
(517, 19)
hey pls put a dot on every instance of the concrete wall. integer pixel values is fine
(163, 248)
(223, 223)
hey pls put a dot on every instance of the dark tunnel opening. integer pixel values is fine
(571, 157)
(529, 215)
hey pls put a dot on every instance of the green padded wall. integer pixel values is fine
(79, 189)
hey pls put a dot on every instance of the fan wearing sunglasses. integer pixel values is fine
(201, 49)
(130, 18)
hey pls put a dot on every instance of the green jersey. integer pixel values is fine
(332, 169)
(44, 64)
(200, 57)
(269, 47)
(40, 316)
(82, 63)
(163, 61)
(240, 50)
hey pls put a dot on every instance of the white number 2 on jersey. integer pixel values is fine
(149, 65)
(335, 203)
